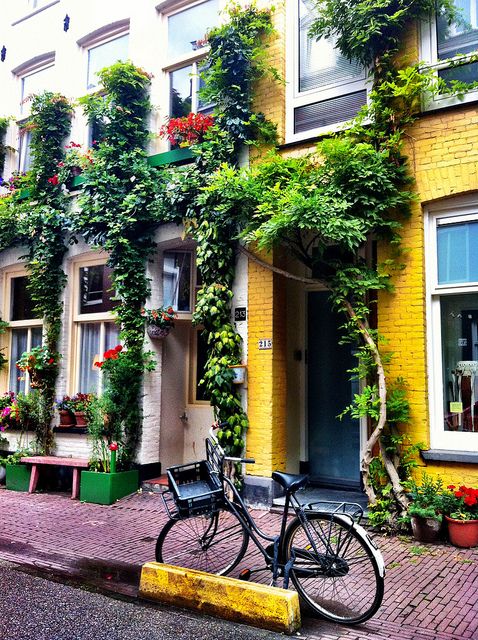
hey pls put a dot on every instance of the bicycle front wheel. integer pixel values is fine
(336, 570)
(215, 543)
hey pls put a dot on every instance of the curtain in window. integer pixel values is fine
(18, 346)
(88, 378)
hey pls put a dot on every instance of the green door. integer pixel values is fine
(334, 445)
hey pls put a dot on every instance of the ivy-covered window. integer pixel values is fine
(94, 328)
(454, 314)
(25, 330)
(186, 35)
(34, 83)
(324, 88)
(177, 280)
(103, 55)
(444, 44)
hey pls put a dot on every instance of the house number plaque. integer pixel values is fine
(265, 343)
(240, 314)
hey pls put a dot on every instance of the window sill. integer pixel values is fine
(446, 455)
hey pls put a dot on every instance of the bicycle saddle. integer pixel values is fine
(290, 481)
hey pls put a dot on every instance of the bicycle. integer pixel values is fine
(334, 565)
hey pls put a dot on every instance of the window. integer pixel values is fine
(442, 42)
(453, 269)
(95, 330)
(25, 330)
(34, 83)
(104, 55)
(186, 31)
(24, 152)
(199, 355)
(325, 89)
(177, 282)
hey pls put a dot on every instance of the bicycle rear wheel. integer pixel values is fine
(336, 570)
(214, 543)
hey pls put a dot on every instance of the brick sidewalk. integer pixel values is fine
(430, 591)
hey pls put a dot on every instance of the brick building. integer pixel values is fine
(297, 379)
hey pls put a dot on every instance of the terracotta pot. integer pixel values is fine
(463, 533)
(425, 529)
(80, 419)
(157, 333)
(67, 419)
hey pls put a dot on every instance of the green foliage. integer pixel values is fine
(427, 498)
(4, 122)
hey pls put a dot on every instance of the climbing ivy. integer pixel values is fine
(4, 122)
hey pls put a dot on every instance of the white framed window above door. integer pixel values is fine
(324, 90)
(452, 313)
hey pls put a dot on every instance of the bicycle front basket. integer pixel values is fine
(195, 488)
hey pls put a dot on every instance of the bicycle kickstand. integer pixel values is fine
(275, 564)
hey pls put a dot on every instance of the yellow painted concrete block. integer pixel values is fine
(228, 598)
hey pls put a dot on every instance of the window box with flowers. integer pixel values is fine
(106, 484)
(159, 322)
(460, 504)
(188, 130)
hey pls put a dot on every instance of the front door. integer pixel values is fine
(334, 445)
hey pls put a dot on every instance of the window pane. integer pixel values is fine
(88, 378)
(181, 92)
(21, 304)
(111, 335)
(36, 337)
(187, 27)
(461, 36)
(459, 322)
(25, 159)
(35, 83)
(18, 346)
(177, 280)
(320, 63)
(105, 55)
(95, 289)
(457, 255)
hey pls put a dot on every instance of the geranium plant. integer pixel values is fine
(163, 317)
(186, 130)
(460, 503)
(110, 354)
(39, 362)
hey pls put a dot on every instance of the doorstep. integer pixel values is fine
(155, 485)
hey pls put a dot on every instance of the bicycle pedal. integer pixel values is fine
(245, 574)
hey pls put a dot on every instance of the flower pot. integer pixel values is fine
(67, 419)
(239, 371)
(18, 477)
(157, 333)
(106, 488)
(463, 533)
(425, 529)
(80, 419)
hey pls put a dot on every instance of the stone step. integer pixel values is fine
(155, 485)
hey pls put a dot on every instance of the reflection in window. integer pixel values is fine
(459, 38)
(35, 83)
(187, 29)
(105, 55)
(96, 289)
(177, 280)
(457, 255)
(181, 92)
(459, 331)
(21, 303)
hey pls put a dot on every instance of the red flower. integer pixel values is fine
(51, 360)
(118, 348)
(113, 446)
(53, 180)
(98, 364)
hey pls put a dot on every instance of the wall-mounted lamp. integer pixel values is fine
(66, 22)
(3, 53)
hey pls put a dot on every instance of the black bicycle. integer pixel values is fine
(332, 562)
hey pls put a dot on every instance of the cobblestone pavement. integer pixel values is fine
(431, 591)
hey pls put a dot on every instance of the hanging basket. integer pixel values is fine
(157, 333)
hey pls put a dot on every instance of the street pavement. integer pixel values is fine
(431, 591)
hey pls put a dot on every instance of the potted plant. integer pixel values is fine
(426, 507)
(159, 322)
(103, 483)
(65, 410)
(17, 474)
(79, 405)
(461, 509)
(186, 130)
(40, 363)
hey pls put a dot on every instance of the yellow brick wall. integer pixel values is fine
(443, 152)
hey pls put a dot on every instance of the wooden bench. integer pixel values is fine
(76, 463)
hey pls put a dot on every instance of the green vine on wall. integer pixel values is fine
(117, 211)
(4, 122)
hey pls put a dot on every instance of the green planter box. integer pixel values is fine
(106, 488)
(18, 477)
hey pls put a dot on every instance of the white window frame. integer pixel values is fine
(294, 98)
(99, 43)
(193, 286)
(79, 320)
(33, 323)
(429, 54)
(191, 58)
(33, 70)
(460, 210)
(23, 149)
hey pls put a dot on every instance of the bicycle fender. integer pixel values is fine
(360, 531)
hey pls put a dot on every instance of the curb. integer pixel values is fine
(245, 602)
